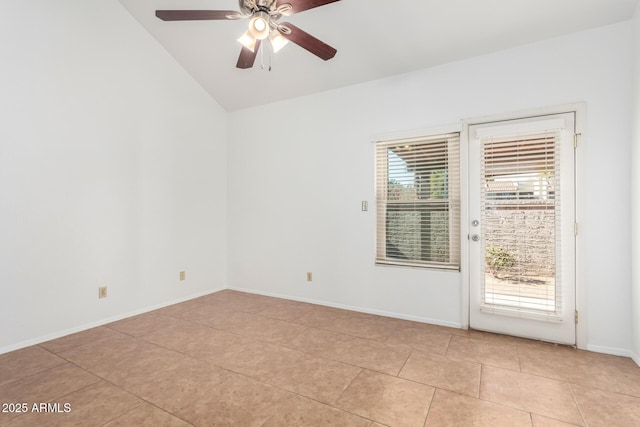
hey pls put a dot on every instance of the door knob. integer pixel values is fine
(475, 237)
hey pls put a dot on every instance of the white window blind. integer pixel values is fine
(520, 204)
(418, 201)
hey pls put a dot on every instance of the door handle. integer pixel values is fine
(475, 238)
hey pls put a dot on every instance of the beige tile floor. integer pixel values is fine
(238, 359)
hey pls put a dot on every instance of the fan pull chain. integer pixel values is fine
(262, 59)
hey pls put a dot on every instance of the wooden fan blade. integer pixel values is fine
(247, 58)
(308, 42)
(302, 5)
(196, 15)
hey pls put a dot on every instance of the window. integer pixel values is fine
(521, 229)
(418, 201)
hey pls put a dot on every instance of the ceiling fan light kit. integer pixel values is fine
(264, 21)
(259, 25)
(248, 40)
(277, 40)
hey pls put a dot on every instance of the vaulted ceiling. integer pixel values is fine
(374, 39)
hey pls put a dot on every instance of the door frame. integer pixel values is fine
(581, 298)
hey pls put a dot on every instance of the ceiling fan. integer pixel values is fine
(264, 17)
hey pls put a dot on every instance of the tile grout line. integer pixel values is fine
(446, 350)
(573, 396)
(433, 396)
(519, 358)
(350, 384)
(405, 363)
(480, 382)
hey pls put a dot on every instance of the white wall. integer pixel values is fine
(112, 171)
(635, 196)
(300, 170)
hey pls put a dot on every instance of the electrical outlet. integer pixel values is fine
(183, 275)
(102, 292)
(309, 276)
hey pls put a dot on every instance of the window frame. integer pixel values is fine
(451, 203)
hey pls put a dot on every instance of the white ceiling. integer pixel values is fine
(374, 39)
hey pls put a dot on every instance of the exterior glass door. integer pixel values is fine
(522, 249)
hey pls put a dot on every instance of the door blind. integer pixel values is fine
(520, 206)
(418, 201)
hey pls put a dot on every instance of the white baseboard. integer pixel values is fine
(353, 308)
(101, 322)
(635, 358)
(612, 350)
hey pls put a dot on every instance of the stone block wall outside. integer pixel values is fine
(527, 234)
(407, 235)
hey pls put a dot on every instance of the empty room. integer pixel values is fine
(319, 212)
